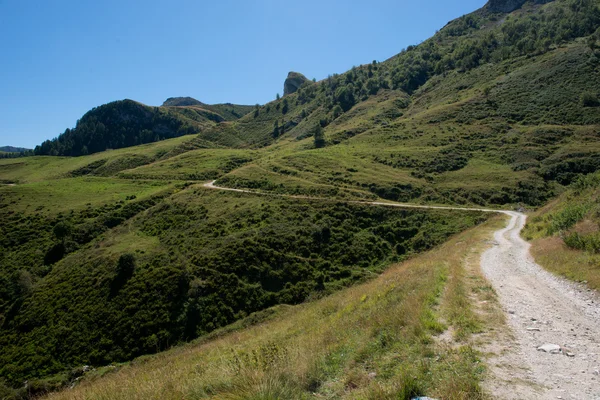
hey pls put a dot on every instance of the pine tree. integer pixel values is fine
(319, 136)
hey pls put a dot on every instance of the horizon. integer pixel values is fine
(65, 62)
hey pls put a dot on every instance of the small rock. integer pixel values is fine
(533, 330)
(570, 354)
(550, 348)
(511, 312)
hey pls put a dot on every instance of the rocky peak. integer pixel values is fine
(293, 82)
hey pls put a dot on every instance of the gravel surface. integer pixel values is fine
(555, 323)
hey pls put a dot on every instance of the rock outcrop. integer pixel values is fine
(506, 6)
(293, 82)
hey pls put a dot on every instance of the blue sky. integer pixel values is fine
(60, 58)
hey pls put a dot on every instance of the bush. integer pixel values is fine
(589, 243)
(589, 99)
(568, 217)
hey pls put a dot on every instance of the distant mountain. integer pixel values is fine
(129, 123)
(181, 102)
(11, 149)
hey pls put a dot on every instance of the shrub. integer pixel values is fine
(589, 99)
(568, 217)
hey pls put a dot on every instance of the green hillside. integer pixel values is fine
(124, 252)
(228, 111)
(378, 340)
(14, 152)
(566, 232)
(128, 123)
(484, 112)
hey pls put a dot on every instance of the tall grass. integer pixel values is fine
(372, 341)
(566, 232)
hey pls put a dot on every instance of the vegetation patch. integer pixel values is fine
(565, 233)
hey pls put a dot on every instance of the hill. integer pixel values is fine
(14, 152)
(378, 340)
(181, 102)
(11, 149)
(109, 256)
(486, 112)
(128, 123)
(228, 111)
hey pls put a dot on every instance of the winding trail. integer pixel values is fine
(541, 308)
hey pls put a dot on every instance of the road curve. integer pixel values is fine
(211, 185)
(541, 308)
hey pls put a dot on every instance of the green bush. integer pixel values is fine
(589, 99)
(568, 217)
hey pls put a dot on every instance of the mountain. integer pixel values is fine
(128, 123)
(116, 254)
(11, 149)
(181, 102)
(476, 97)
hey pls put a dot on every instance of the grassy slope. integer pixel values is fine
(126, 123)
(44, 168)
(195, 250)
(500, 134)
(565, 234)
(512, 147)
(374, 341)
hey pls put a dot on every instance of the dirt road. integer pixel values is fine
(555, 353)
(542, 309)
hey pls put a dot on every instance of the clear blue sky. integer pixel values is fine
(60, 58)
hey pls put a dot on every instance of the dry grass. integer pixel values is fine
(372, 341)
(577, 265)
(574, 212)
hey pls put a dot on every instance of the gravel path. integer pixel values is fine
(543, 309)
(555, 353)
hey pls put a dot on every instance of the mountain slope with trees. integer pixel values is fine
(495, 110)
(128, 123)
